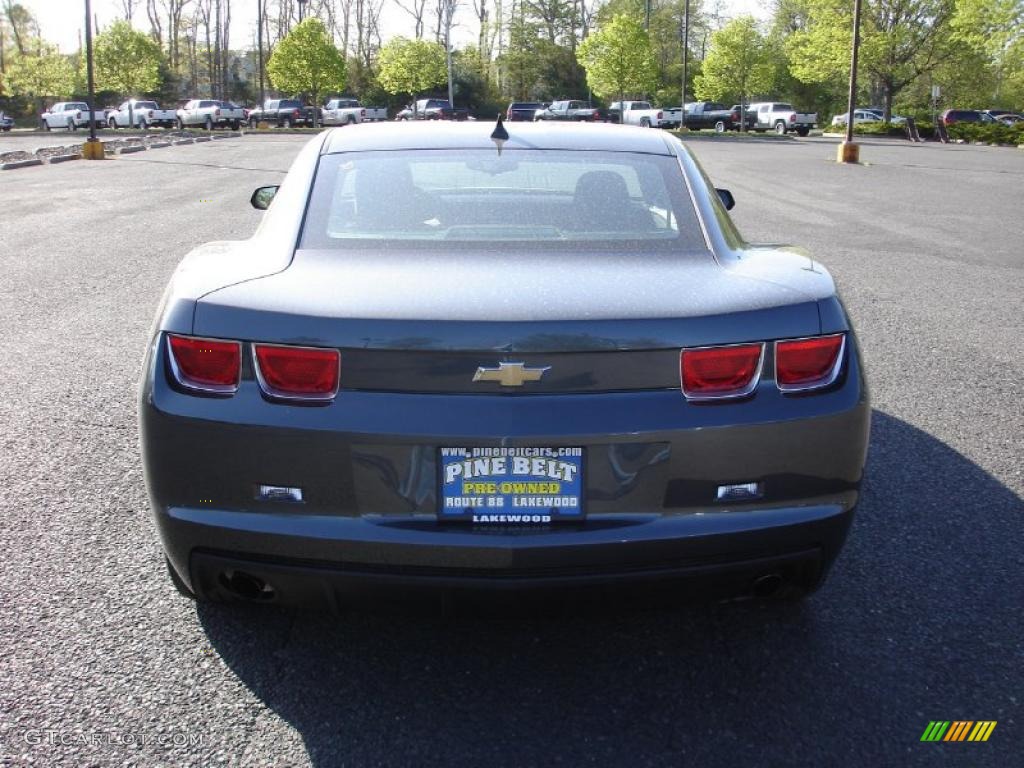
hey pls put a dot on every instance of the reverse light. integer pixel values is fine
(739, 492)
(713, 373)
(297, 373)
(805, 364)
(205, 365)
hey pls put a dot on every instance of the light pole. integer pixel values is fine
(849, 152)
(686, 59)
(93, 148)
(259, 45)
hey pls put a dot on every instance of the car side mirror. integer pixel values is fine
(723, 194)
(263, 197)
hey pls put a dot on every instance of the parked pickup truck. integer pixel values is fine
(580, 111)
(141, 114)
(433, 109)
(210, 113)
(782, 118)
(350, 112)
(705, 114)
(71, 115)
(284, 113)
(638, 113)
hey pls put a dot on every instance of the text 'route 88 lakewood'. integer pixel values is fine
(511, 485)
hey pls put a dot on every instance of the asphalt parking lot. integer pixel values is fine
(103, 664)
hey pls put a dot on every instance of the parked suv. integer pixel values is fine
(951, 116)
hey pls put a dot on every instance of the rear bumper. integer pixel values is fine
(336, 560)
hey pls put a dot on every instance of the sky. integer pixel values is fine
(63, 20)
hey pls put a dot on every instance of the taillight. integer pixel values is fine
(711, 373)
(216, 113)
(297, 373)
(362, 113)
(295, 113)
(660, 115)
(205, 365)
(804, 364)
(151, 113)
(792, 118)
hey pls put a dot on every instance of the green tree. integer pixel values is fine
(901, 41)
(738, 63)
(127, 61)
(307, 61)
(40, 74)
(411, 66)
(618, 59)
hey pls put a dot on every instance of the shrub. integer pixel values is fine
(988, 132)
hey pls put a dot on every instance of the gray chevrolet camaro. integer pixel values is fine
(452, 357)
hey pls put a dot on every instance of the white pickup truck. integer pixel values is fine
(140, 114)
(210, 113)
(639, 113)
(71, 115)
(781, 118)
(350, 112)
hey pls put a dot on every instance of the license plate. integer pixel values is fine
(511, 486)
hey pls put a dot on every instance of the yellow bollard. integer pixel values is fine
(92, 150)
(848, 152)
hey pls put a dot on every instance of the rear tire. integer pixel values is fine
(351, 120)
(780, 128)
(144, 124)
(720, 126)
(46, 126)
(181, 124)
(112, 124)
(71, 126)
(209, 123)
(236, 124)
(286, 123)
(645, 122)
(803, 131)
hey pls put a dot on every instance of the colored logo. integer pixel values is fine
(958, 730)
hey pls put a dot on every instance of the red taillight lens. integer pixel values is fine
(208, 365)
(216, 113)
(804, 364)
(715, 372)
(304, 373)
(660, 115)
(792, 118)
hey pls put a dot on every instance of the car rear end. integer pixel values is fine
(413, 416)
(522, 111)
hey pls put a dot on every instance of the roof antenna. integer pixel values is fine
(499, 136)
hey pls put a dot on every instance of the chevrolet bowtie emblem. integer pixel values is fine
(510, 374)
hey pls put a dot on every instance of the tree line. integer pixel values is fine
(535, 50)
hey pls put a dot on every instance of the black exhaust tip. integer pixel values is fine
(246, 586)
(767, 585)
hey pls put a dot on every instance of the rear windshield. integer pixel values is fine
(526, 105)
(784, 108)
(559, 198)
(289, 103)
(145, 104)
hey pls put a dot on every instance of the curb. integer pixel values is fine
(179, 142)
(159, 144)
(20, 164)
(64, 158)
(128, 150)
(201, 139)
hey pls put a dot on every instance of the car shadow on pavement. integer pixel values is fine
(920, 620)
